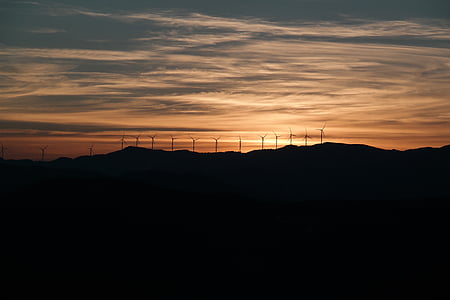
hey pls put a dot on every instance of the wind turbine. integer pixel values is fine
(217, 142)
(137, 139)
(276, 140)
(122, 140)
(153, 139)
(43, 148)
(322, 134)
(3, 151)
(240, 144)
(173, 138)
(291, 136)
(306, 137)
(193, 143)
(262, 140)
(91, 150)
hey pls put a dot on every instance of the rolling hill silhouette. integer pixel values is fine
(328, 171)
(331, 219)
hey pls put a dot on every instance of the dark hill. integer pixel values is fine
(328, 171)
(327, 221)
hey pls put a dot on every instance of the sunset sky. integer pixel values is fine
(73, 73)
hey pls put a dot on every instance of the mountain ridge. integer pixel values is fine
(132, 150)
(325, 171)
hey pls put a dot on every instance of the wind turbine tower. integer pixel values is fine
(193, 143)
(137, 140)
(3, 151)
(291, 136)
(153, 140)
(322, 134)
(91, 150)
(240, 144)
(306, 137)
(262, 140)
(276, 140)
(173, 139)
(217, 143)
(43, 152)
(122, 140)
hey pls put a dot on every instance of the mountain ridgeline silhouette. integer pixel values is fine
(326, 171)
(323, 220)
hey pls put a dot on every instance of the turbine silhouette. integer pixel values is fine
(3, 151)
(306, 137)
(291, 136)
(262, 140)
(193, 143)
(240, 144)
(122, 140)
(91, 150)
(322, 134)
(276, 140)
(217, 142)
(43, 148)
(173, 138)
(137, 139)
(153, 140)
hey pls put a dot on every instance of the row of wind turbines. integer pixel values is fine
(123, 142)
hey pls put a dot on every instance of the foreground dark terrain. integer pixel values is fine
(328, 220)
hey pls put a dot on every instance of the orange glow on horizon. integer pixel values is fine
(75, 146)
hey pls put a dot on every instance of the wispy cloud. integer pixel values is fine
(76, 54)
(46, 30)
(345, 28)
(357, 28)
(54, 128)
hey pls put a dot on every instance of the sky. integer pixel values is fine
(76, 73)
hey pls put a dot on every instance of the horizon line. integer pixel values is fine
(222, 152)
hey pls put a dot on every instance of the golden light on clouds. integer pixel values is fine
(384, 83)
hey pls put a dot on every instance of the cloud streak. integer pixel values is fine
(355, 28)
(47, 127)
